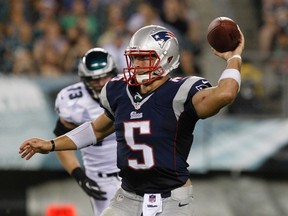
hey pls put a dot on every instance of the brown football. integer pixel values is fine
(223, 34)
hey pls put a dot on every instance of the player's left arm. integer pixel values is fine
(85, 134)
(72, 165)
(67, 158)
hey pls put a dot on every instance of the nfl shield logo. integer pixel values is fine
(137, 106)
(152, 198)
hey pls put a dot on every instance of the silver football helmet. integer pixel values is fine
(150, 42)
(95, 65)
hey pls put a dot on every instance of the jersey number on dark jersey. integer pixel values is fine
(147, 151)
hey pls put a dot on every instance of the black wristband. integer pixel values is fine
(78, 174)
(53, 145)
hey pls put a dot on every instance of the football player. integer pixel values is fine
(154, 116)
(79, 103)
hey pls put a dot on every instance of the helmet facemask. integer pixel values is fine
(95, 89)
(95, 67)
(138, 75)
(95, 94)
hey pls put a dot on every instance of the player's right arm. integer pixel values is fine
(210, 101)
(101, 127)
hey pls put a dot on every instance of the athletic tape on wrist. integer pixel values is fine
(234, 56)
(83, 135)
(53, 145)
(233, 74)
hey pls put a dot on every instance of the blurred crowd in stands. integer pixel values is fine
(265, 72)
(273, 42)
(273, 33)
(47, 37)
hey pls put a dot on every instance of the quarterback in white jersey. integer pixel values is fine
(77, 104)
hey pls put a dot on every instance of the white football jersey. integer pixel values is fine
(75, 105)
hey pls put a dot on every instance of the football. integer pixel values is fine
(223, 34)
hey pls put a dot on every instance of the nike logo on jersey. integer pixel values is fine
(204, 81)
(181, 205)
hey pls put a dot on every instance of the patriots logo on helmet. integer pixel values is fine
(162, 37)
